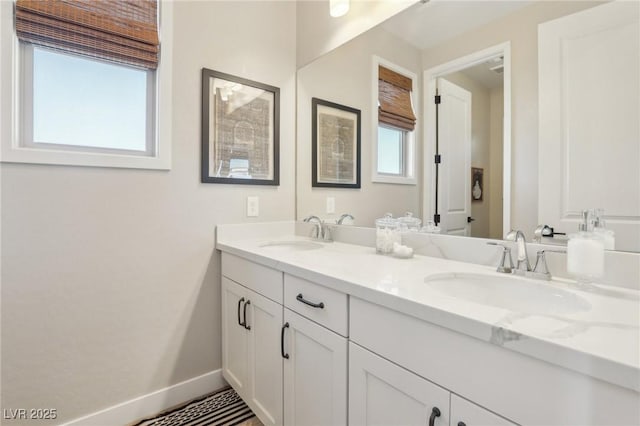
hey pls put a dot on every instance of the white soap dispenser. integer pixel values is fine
(585, 252)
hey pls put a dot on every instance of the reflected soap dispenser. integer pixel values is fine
(600, 229)
(585, 251)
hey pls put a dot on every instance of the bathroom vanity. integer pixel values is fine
(332, 333)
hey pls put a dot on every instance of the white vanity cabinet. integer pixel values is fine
(382, 393)
(251, 324)
(322, 344)
(520, 388)
(315, 373)
(315, 364)
(284, 345)
(235, 340)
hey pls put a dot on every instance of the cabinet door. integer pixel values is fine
(465, 413)
(264, 320)
(382, 393)
(234, 337)
(315, 374)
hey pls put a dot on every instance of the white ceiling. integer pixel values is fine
(429, 24)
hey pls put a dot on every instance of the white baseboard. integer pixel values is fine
(154, 402)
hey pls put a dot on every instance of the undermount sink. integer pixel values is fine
(508, 292)
(292, 245)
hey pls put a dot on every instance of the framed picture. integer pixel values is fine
(335, 151)
(240, 130)
(477, 187)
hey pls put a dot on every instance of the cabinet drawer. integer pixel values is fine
(320, 304)
(259, 278)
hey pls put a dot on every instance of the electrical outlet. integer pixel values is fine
(331, 205)
(253, 206)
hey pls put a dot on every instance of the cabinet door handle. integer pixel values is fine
(285, 326)
(244, 313)
(239, 304)
(300, 298)
(462, 424)
(435, 412)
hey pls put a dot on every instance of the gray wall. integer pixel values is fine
(110, 280)
(345, 76)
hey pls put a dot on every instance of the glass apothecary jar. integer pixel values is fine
(409, 223)
(387, 233)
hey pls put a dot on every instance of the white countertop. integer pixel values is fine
(602, 341)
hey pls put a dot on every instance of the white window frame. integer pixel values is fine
(410, 144)
(17, 145)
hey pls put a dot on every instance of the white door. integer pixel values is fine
(234, 337)
(454, 145)
(382, 393)
(315, 374)
(466, 413)
(264, 321)
(589, 131)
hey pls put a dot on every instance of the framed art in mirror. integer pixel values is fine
(477, 187)
(240, 130)
(335, 148)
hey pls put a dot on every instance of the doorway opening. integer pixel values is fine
(468, 144)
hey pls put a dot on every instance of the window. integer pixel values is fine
(395, 148)
(391, 151)
(73, 102)
(89, 78)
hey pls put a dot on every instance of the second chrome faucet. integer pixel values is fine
(321, 231)
(523, 266)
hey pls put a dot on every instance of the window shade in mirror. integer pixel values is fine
(394, 98)
(123, 31)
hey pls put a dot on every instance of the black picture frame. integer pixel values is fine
(477, 184)
(335, 153)
(240, 130)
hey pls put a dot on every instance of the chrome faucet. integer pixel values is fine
(321, 230)
(317, 230)
(541, 270)
(522, 265)
(503, 266)
(343, 217)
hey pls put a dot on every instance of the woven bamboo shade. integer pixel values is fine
(123, 31)
(394, 96)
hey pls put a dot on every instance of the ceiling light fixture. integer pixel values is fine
(338, 8)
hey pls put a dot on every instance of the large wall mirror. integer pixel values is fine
(495, 172)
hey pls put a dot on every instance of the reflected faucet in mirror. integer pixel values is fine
(343, 217)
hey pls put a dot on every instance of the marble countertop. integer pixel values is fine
(602, 339)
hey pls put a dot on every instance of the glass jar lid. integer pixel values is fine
(410, 221)
(387, 221)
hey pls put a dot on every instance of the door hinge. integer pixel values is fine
(438, 159)
(438, 99)
(436, 219)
